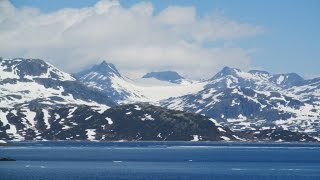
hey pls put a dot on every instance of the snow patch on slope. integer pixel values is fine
(91, 133)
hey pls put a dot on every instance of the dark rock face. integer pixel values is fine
(169, 76)
(31, 67)
(280, 135)
(3, 129)
(127, 122)
(7, 159)
(134, 122)
(154, 123)
(287, 80)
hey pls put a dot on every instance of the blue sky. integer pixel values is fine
(290, 38)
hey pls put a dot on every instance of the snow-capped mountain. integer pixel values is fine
(307, 91)
(252, 100)
(25, 81)
(152, 88)
(106, 78)
(256, 100)
(170, 76)
(254, 79)
(38, 101)
(34, 86)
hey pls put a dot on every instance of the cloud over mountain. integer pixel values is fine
(136, 38)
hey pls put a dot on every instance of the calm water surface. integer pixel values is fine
(160, 160)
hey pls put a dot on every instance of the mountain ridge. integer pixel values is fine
(124, 90)
(277, 101)
(35, 96)
(255, 99)
(170, 76)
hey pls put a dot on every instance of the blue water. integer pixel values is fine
(160, 160)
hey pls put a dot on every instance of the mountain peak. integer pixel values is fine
(170, 76)
(103, 62)
(290, 79)
(31, 68)
(104, 68)
(226, 71)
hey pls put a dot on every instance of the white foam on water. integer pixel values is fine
(238, 169)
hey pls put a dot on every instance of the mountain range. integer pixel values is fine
(39, 101)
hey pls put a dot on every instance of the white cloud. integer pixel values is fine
(177, 16)
(311, 75)
(135, 39)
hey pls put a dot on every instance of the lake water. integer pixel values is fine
(160, 160)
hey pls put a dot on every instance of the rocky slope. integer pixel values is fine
(126, 122)
(33, 86)
(135, 122)
(256, 100)
(33, 81)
